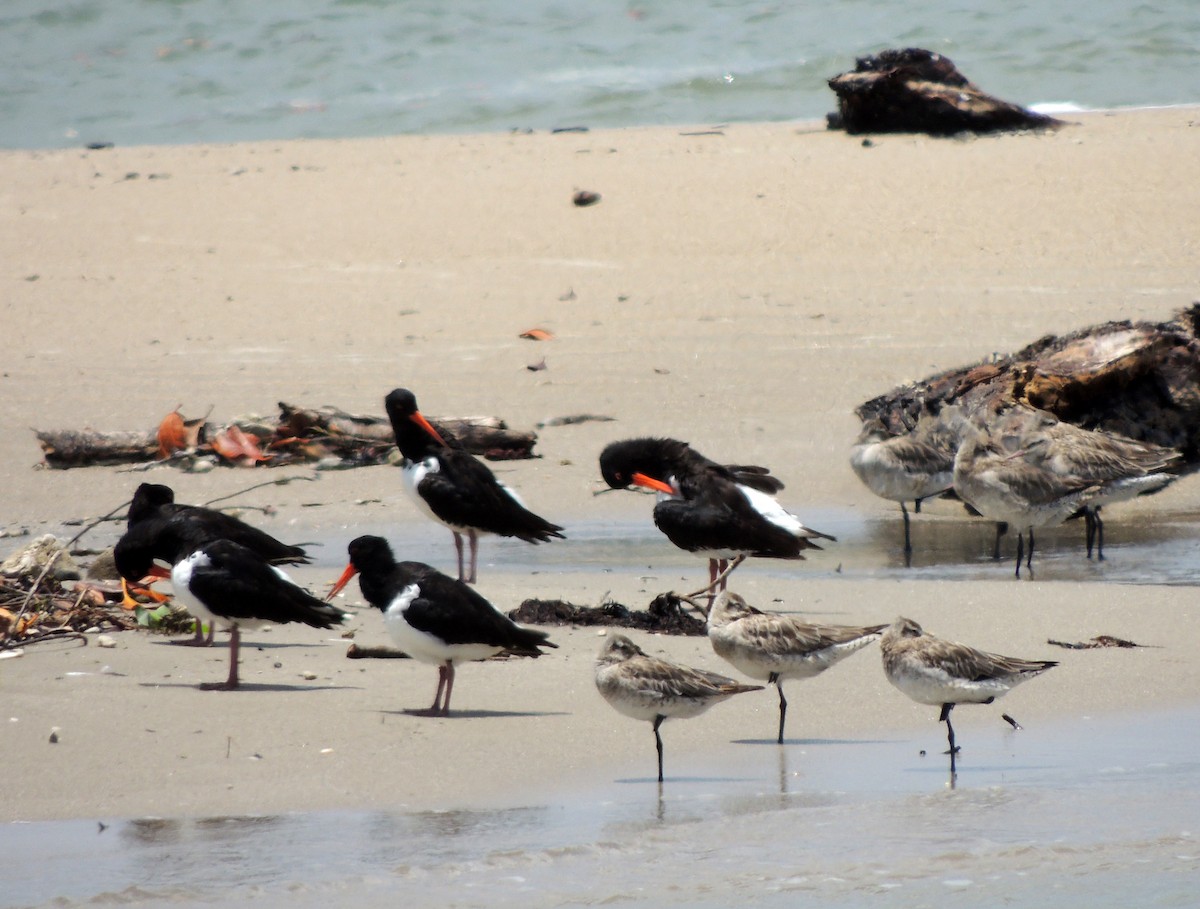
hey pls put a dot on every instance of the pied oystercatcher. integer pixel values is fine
(716, 511)
(189, 527)
(432, 617)
(221, 582)
(454, 488)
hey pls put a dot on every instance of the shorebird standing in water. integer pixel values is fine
(936, 672)
(911, 467)
(653, 689)
(455, 489)
(1004, 486)
(1123, 468)
(719, 512)
(774, 648)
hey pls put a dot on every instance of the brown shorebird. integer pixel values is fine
(774, 647)
(910, 467)
(1124, 468)
(936, 672)
(653, 689)
(1004, 486)
(719, 512)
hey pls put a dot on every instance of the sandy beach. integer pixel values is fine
(742, 289)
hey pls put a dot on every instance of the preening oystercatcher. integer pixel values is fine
(222, 582)
(185, 528)
(432, 617)
(719, 512)
(456, 489)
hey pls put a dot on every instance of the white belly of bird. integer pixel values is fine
(423, 646)
(933, 686)
(888, 481)
(761, 664)
(630, 698)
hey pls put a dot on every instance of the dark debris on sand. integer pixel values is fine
(664, 615)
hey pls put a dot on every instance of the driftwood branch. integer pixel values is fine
(1138, 379)
(300, 435)
(917, 91)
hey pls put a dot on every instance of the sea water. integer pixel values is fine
(184, 71)
(1098, 812)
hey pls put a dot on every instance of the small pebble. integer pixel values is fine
(105, 641)
(308, 674)
(54, 735)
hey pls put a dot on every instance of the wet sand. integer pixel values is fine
(743, 291)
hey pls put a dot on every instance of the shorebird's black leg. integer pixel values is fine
(1029, 559)
(1001, 530)
(907, 536)
(773, 679)
(658, 744)
(1089, 524)
(954, 749)
(1099, 535)
(1020, 551)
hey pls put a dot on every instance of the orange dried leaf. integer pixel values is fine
(172, 435)
(537, 334)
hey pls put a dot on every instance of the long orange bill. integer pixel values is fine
(428, 427)
(640, 479)
(350, 572)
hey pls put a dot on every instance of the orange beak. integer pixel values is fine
(640, 479)
(157, 571)
(428, 427)
(350, 572)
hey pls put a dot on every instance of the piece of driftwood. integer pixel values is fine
(299, 435)
(918, 91)
(664, 615)
(1138, 379)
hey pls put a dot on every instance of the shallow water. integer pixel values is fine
(139, 71)
(1098, 812)
(1160, 547)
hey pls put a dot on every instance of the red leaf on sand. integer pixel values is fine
(537, 334)
(237, 446)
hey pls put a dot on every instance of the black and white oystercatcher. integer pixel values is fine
(719, 512)
(456, 489)
(182, 529)
(432, 617)
(222, 582)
